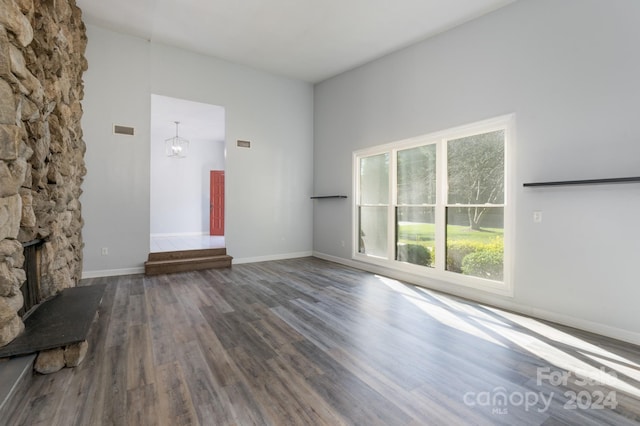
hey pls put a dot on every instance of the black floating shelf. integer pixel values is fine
(584, 182)
(324, 197)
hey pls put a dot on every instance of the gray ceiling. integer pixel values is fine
(310, 40)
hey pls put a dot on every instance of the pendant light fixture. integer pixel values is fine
(176, 147)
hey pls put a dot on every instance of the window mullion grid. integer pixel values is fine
(474, 205)
(441, 205)
(355, 218)
(441, 200)
(393, 202)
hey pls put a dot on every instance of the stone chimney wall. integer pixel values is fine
(42, 45)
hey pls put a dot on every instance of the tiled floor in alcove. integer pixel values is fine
(188, 242)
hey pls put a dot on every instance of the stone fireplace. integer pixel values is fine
(42, 45)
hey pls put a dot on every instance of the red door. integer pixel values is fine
(216, 203)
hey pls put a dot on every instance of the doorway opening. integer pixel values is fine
(181, 204)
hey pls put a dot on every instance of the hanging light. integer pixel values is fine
(176, 147)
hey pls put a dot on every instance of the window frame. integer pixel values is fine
(438, 271)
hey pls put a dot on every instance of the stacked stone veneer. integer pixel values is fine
(42, 45)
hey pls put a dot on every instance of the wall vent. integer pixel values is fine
(244, 144)
(123, 130)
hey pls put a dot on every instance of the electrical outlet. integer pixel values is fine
(537, 216)
(105, 251)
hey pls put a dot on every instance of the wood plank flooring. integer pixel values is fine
(308, 342)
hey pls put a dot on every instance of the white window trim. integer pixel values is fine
(505, 287)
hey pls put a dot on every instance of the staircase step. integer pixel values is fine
(186, 254)
(170, 266)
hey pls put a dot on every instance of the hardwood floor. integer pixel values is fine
(310, 342)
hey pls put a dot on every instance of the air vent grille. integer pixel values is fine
(123, 130)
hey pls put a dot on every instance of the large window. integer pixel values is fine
(374, 203)
(437, 205)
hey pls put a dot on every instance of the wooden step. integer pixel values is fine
(187, 260)
(187, 254)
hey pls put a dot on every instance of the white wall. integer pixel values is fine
(115, 199)
(569, 71)
(269, 214)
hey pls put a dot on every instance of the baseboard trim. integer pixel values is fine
(238, 261)
(112, 272)
(569, 321)
(590, 326)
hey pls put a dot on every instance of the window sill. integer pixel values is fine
(426, 277)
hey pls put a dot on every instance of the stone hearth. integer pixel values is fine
(42, 44)
(60, 322)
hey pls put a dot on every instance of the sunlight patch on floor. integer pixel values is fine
(466, 318)
(627, 368)
(439, 313)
